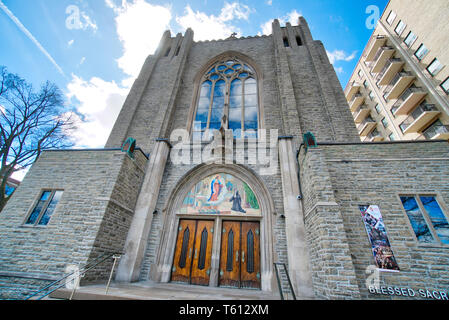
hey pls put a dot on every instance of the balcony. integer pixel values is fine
(361, 113)
(401, 81)
(352, 89)
(419, 118)
(381, 58)
(373, 46)
(408, 100)
(366, 126)
(374, 136)
(437, 131)
(356, 101)
(392, 67)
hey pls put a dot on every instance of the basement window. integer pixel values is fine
(44, 208)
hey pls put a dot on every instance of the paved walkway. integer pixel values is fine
(149, 290)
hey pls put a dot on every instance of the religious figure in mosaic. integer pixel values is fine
(220, 194)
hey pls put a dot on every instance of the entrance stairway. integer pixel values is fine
(148, 290)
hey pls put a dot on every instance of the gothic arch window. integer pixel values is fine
(227, 96)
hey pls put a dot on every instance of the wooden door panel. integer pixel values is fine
(182, 261)
(250, 252)
(202, 253)
(230, 255)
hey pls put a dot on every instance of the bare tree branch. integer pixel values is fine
(30, 123)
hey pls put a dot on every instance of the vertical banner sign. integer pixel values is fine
(377, 234)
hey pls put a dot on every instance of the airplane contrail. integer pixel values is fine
(30, 36)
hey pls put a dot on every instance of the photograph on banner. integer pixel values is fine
(377, 234)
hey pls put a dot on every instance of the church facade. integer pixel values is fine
(228, 157)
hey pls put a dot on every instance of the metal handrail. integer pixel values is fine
(279, 280)
(80, 274)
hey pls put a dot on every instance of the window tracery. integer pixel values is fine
(229, 88)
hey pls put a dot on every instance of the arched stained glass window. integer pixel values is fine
(229, 88)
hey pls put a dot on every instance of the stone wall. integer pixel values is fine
(377, 174)
(93, 214)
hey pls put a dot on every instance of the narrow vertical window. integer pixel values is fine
(217, 105)
(50, 208)
(38, 208)
(235, 107)
(437, 217)
(251, 106)
(286, 43)
(298, 41)
(417, 220)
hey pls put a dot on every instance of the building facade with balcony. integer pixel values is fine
(183, 210)
(403, 74)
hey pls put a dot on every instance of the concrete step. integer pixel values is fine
(149, 290)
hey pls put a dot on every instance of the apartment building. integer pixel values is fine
(399, 89)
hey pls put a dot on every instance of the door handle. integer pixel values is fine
(243, 256)
(196, 253)
(237, 256)
(190, 252)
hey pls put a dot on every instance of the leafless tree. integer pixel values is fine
(30, 122)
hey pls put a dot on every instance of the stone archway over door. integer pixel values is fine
(176, 211)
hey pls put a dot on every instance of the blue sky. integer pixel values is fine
(93, 49)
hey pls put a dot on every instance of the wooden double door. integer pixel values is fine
(192, 261)
(239, 255)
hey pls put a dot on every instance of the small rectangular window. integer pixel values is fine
(385, 122)
(421, 52)
(44, 208)
(391, 17)
(434, 67)
(445, 85)
(365, 84)
(371, 95)
(427, 219)
(377, 107)
(298, 41)
(286, 43)
(410, 39)
(392, 137)
(400, 27)
(360, 73)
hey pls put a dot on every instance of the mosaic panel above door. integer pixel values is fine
(223, 194)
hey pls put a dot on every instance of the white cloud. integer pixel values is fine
(88, 23)
(208, 27)
(269, 2)
(340, 55)
(339, 69)
(139, 26)
(291, 17)
(70, 43)
(98, 105)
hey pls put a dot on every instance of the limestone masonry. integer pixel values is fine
(225, 222)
